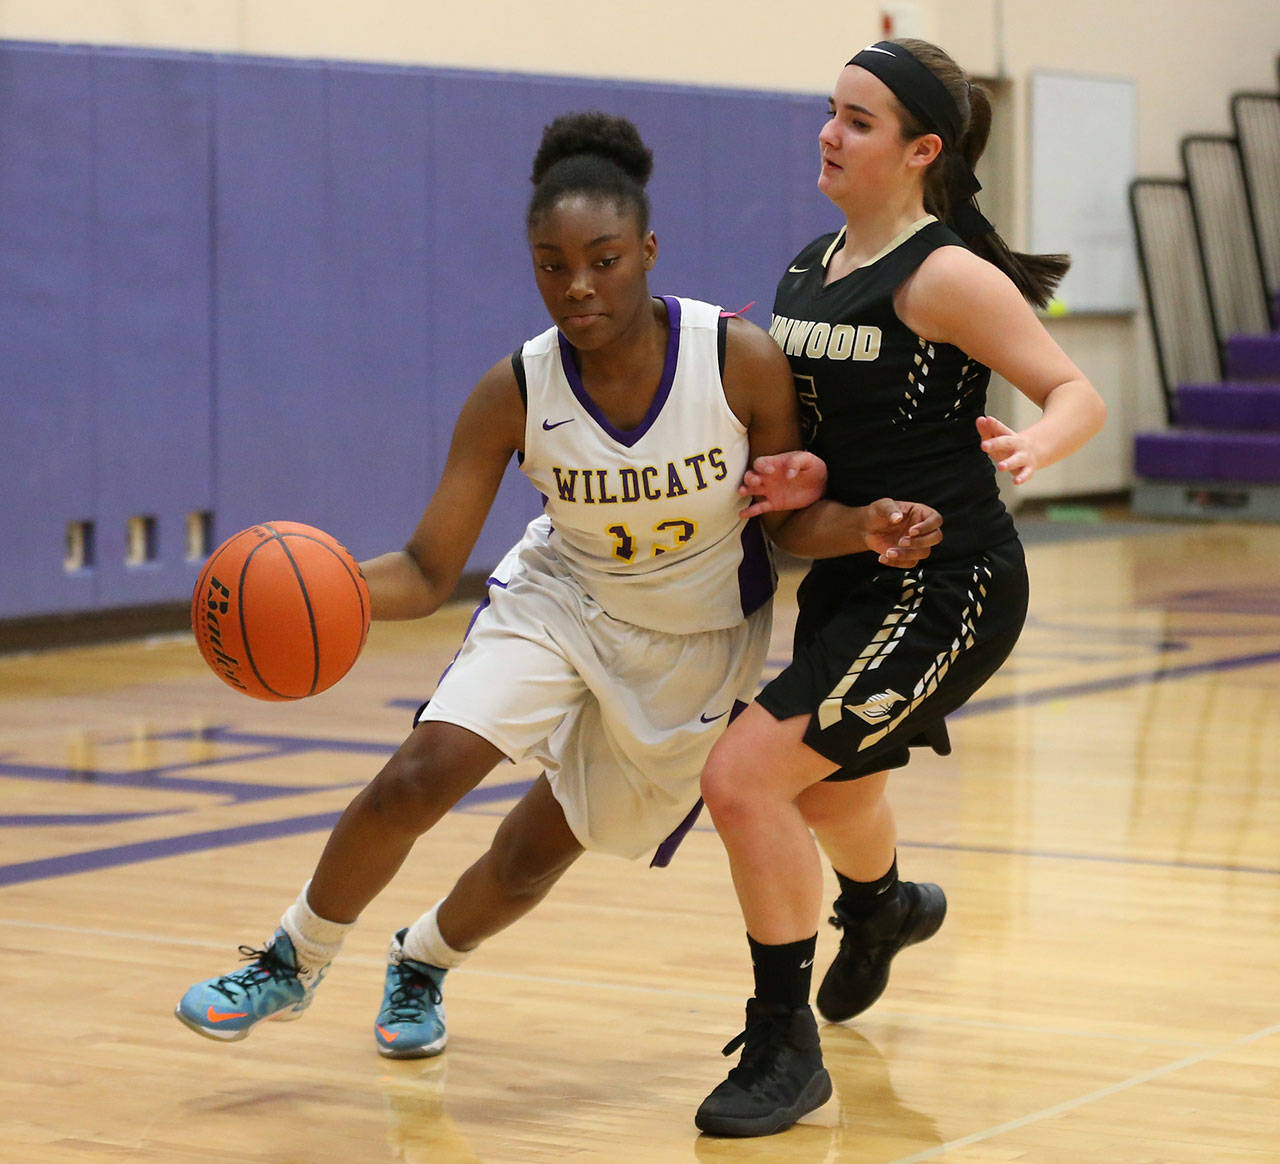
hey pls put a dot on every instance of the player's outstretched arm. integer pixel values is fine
(900, 533)
(416, 580)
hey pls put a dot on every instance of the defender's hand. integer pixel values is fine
(783, 481)
(1010, 450)
(902, 533)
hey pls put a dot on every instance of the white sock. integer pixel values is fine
(316, 940)
(425, 943)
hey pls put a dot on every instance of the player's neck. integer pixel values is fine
(870, 229)
(623, 377)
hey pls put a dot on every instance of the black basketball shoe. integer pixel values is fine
(779, 1078)
(860, 971)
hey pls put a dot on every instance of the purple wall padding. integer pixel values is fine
(1232, 405)
(1200, 455)
(47, 383)
(265, 287)
(104, 319)
(272, 393)
(152, 315)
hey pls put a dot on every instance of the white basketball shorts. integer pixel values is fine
(622, 718)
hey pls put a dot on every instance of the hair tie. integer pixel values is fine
(968, 221)
(963, 215)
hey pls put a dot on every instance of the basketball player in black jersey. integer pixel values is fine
(892, 326)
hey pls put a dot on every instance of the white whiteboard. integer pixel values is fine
(1083, 158)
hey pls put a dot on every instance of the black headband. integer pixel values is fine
(917, 87)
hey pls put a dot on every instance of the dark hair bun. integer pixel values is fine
(593, 132)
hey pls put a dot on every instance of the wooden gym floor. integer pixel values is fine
(1106, 987)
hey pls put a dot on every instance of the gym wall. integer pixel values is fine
(256, 252)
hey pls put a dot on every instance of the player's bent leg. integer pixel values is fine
(854, 824)
(437, 765)
(530, 851)
(431, 771)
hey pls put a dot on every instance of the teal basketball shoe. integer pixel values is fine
(270, 986)
(410, 1024)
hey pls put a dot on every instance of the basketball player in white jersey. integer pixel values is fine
(617, 636)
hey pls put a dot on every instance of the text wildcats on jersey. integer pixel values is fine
(640, 483)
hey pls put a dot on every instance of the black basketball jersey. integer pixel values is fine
(892, 414)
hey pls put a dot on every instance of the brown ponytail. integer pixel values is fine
(1035, 276)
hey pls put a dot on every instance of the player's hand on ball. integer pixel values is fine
(902, 533)
(783, 481)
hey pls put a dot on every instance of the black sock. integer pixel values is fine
(861, 898)
(783, 973)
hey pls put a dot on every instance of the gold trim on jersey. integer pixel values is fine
(897, 241)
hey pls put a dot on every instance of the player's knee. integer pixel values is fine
(419, 784)
(405, 796)
(725, 788)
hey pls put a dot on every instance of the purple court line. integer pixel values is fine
(222, 838)
(114, 855)
(1102, 858)
(159, 780)
(1116, 683)
(45, 819)
(293, 744)
(269, 747)
(108, 858)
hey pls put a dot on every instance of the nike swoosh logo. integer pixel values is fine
(796, 270)
(874, 49)
(548, 426)
(712, 718)
(386, 1034)
(217, 1017)
(806, 965)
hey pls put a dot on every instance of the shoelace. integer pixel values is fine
(263, 965)
(403, 1002)
(858, 943)
(755, 1039)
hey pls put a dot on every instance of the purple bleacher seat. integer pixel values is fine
(1234, 404)
(1193, 454)
(1253, 357)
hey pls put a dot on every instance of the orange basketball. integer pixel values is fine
(280, 611)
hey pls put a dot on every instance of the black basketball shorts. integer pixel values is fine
(882, 655)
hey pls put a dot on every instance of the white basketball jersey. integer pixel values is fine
(647, 520)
